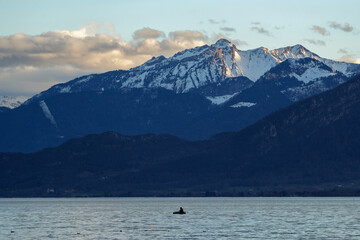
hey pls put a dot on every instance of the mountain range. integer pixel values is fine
(308, 148)
(194, 94)
(11, 102)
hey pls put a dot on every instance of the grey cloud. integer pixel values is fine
(255, 23)
(237, 42)
(279, 27)
(346, 27)
(261, 30)
(188, 35)
(343, 51)
(146, 33)
(316, 42)
(228, 29)
(212, 21)
(320, 30)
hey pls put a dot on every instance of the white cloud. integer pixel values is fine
(30, 64)
(88, 50)
(27, 80)
(349, 58)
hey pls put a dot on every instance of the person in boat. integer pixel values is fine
(181, 211)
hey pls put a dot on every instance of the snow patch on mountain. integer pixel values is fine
(315, 87)
(189, 53)
(66, 89)
(312, 74)
(12, 102)
(85, 79)
(243, 104)
(47, 112)
(293, 52)
(254, 63)
(348, 69)
(217, 100)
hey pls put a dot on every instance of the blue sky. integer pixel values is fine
(329, 28)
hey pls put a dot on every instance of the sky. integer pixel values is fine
(46, 42)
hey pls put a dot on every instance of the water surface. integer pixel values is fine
(206, 218)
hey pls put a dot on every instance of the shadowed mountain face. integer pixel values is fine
(193, 95)
(312, 143)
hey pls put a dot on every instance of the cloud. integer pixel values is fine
(33, 63)
(237, 42)
(260, 30)
(27, 81)
(93, 51)
(315, 42)
(279, 27)
(349, 58)
(343, 51)
(91, 29)
(228, 29)
(346, 27)
(212, 21)
(255, 23)
(147, 33)
(187, 36)
(320, 30)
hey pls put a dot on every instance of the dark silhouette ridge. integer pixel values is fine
(308, 148)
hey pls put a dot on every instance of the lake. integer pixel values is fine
(206, 218)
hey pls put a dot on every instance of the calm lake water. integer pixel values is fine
(206, 218)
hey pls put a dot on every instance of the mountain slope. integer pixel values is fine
(195, 68)
(312, 144)
(312, 141)
(194, 94)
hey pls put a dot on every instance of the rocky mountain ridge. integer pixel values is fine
(195, 94)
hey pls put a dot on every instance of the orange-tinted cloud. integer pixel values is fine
(30, 64)
(320, 30)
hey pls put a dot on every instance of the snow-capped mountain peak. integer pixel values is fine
(12, 102)
(295, 52)
(198, 67)
(223, 43)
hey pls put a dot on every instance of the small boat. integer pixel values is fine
(181, 211)
(178, 212)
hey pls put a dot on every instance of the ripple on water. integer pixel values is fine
(206, 218)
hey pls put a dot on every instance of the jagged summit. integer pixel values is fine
(296, 51)
(194, 94)
(196, 68)
(223, 43)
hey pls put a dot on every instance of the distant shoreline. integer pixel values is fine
(201, 194)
